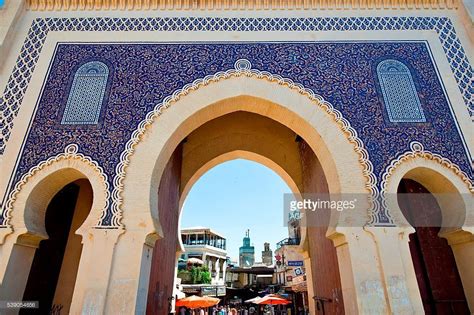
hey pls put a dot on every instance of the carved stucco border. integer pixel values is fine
(417, 150)
(112, 5)
(70, 153)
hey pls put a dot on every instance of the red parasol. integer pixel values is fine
(272, 300)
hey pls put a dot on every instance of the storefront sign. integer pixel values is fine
(213, 291)
(295, 263)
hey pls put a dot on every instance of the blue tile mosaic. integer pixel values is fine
(142, 75)
(350, 92)
(21, 75)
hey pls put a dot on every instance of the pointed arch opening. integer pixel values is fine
(157, 148)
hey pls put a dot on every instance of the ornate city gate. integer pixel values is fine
(133, 110)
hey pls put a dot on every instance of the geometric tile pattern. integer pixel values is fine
(399, 92)
(86, 95)
(18, 82)
(142, 77)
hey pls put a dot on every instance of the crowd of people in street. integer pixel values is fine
(240, 310)
(219, 310)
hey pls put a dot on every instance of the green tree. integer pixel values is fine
(206, 277)
(199, 275)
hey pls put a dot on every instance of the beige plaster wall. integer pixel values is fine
(10, 15)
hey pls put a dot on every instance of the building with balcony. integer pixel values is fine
(204, 247)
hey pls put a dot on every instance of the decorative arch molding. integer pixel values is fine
(243, 68)
(82, 165)
(418, 151)
(422, 159)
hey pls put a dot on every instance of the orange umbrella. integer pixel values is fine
(211, 300)
(194, 301)
(272, 300)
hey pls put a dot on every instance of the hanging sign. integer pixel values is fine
(299, 271)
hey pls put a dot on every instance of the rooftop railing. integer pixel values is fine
(201, 239)
(288, 241)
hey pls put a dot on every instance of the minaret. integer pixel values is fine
(246, 252)
(267, 254)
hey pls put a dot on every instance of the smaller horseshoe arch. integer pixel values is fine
(55, 202)
(434, 202)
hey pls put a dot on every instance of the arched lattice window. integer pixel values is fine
(87, 94)
(399, 92)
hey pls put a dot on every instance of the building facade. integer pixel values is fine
(207, 246)
(290, 271)
(256, 278)
(111, 110)
(267, 255)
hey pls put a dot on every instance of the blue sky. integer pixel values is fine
(235, 196)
